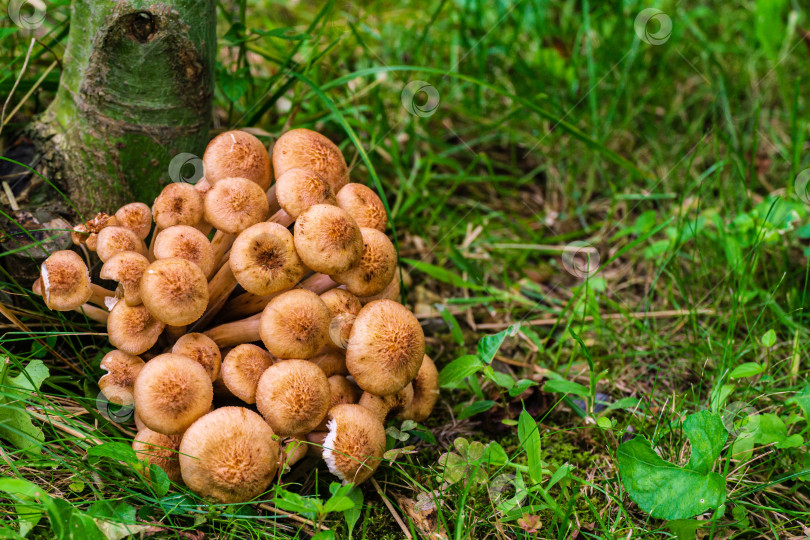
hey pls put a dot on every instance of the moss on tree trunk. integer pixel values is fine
(135, 91)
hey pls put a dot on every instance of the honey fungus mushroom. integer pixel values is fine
(386, 347)
(354, 445)
(118, 383)
(242, 368)
(309, 150)
(159, 449)
(341, 391)
(137, 217)
(293, 397)
(178, 204)
(65, 281)
(202, 350)
(385, 407)
(295, 324)
(185, 242)
(234, 204)
(127, 268)
(237, 153)
(425, 392)
(298, 189)
(229, 455)
(376, 266)
(171, 392)
(175, 291)
(363, 205)
(112, 240)
(133, 329)
(327, 239)
(264, 260)
(343, 308)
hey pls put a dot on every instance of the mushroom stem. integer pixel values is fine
(219, 288)
(272, 200)
(293, 451)
(91, 312)
(282, 218)
(100, 295)
(175, 332)
(237, 332)
(247, 304)
(221, 243)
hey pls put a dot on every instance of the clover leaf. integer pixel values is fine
(664, 490)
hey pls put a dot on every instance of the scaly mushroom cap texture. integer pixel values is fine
(234, 204)
(327, 239)
(385, 407)
(178, 204)
(119, 382)
(264, 261)
(298, 189)
(376, 268)
(175, 291)
(202, 350)
(229, 455)
(293, 396)
(237, 153)
(390, 292)
(126, 268)
(332, 362)
(136, 217)
(306, 149)
(386, 347)
(112, 240)
(243, 367)
(363, 205)
(354, 446)
(171, 392)
(342, 390)
(425, 392)
(159, 449)
(295, 324)
(343, 307)
(133, 329)
(185, 242)
(65, 281)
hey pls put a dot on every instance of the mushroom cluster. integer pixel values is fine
(256, 321)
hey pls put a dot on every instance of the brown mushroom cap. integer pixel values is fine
(242, 368)
(293, 396)
(65, 281)
(229, 455)
(386, 347)
(343, 307)
(390, 292)
(234, 204)
(185, 242)
(237, 153)
(327, 239)
(133, 329)
(354, 446)
(363, 205)
(295, 324)
(112, 240)
(342, 390)
(331, 361)
(306, 149)
(425, 392)
(126, 268)
(264, 261)
(171, 392)
(298, 189)
(118, 383)
(376, 268)
(178, 204)
(202, 350)
(136, 217)
(385, 407)
(175, 291)
(159, 449)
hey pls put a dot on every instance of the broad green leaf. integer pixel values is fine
(566, 387)
(624, 403)
(488, 345)
(32, 376)
(17, 428)
(749, 369)
(459, 369)
(160, 480)
(802, 399)
(769, 338)
(770, 26)
(293, 502)
(684, 529)
(529, 436)
(452, 323)
(351, 515)
(114, 450)
(521, 386)
(664, 490)
(476, 408)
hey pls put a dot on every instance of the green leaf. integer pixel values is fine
(293, 502)
(452, 323)
(459, 369)
(748, 369)
(352, 514)
(160, 480)
(802, 399)
(476, 408)
(31, 377)
(566, 387)
(770, 27)
(488, 345)
(442, 275)
(114, 450)
(684, 529)
(529, 436)
(521, 386)
(769, 338)
(664, 490)
(17, 428)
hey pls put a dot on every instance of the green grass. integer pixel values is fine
(555, 123)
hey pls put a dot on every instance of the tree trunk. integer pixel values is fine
(135, 91)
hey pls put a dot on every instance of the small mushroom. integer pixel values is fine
(229, 455)
(309, 150)
(354, 445)
(136, 217)
(425, 392)
(185, 242)
(331, 361)
(341, 390)
(118, 383)
(298, 189)
(112, 240)
(175, 291)
(343, 308)
(293, 397)
(237, 153)
(385, 407)
(88, 310)
(133, 329)
(327, 239)
(376, 267)
(295, 324)
(159, 449)
(363, 205)
(386, 347)
(171, 392)
(127, 268)
(65, 281)
(202, 350)
(242, 368)
(178, 204)
(390, 292)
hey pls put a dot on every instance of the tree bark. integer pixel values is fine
(136, 90)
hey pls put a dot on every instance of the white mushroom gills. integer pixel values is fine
(329, 447)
